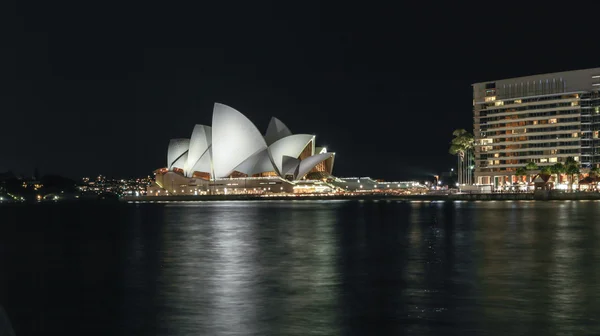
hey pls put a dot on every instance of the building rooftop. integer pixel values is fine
(549, 74)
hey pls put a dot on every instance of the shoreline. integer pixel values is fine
(537, 196)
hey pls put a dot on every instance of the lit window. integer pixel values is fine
(543, 160)
(575, 135)
(499, 103)
(574, 103)
(595, 134)
(497, 155)
(552, 121)
(490, 99)
(518, 101)
(597, 109)
(553, 159)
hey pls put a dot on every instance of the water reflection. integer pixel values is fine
(286, 268)
(249, 269)
(304, 267)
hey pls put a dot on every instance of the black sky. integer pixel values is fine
(91, 88)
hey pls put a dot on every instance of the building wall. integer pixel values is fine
(172, 183)
(542, 118)
(251, 185)
(177, 183)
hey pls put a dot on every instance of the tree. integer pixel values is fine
(571, 169)
(531, 166)
(570, 161)
(557, 169)
(521, 171)
(461, 146)
(462, 142)
(545, 170)
(56, 183)
(594, 172)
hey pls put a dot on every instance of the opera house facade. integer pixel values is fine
(233, 157)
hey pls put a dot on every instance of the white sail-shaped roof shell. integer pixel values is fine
(289, 146)
(320, 150)
(332, 162)
(290, 165)
(204, 164)
(177, 148)
(181, 163)
(257, 163)
(234, 139)
(276, 130)
(199, 142)
(310, 162)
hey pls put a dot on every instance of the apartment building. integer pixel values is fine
(541, 118)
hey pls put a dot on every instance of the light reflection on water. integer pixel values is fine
(249, 268)
(304, 268)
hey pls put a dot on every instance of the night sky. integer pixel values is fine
(91, 88)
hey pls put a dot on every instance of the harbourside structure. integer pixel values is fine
(541, 119)
(233, 157)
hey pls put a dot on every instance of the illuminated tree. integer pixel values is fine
(571, 169)
(557, 169)
(531, 166)
(462, 146)
(521, 171)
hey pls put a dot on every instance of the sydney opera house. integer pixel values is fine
(233, 157)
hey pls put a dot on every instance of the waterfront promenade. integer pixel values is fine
(541, 196)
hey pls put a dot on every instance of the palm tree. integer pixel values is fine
(531, 166)
(594, 172)
(572, 169)
(462, 146)
(521, 171)
(462, 142)
(557, 169)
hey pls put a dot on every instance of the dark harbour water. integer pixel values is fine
(302, 268)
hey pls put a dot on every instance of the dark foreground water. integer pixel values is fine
(302, 268)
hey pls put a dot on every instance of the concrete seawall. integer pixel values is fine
(540, 196)
(492, 197)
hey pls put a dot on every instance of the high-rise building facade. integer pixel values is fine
(542, 119)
